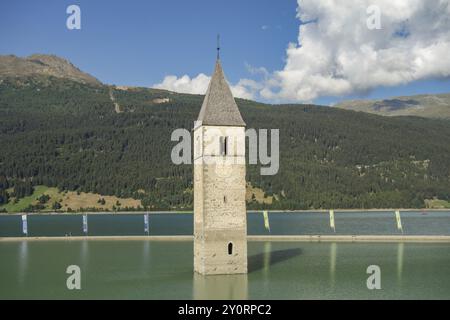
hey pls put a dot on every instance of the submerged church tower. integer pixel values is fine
(220, 221)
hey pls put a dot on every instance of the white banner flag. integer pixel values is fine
(24, 224)
(399, 220)
(85, 224)
(332, 225)
(266, 220)
(146, 226)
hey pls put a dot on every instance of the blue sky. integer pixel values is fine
(138, 43)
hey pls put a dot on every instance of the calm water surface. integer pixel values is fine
(277, 270)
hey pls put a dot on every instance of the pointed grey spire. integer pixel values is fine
(219, 107)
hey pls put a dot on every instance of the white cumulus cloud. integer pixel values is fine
(336, 54)
(185, 84)
(245, 88)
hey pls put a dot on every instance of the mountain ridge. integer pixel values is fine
(43, 65)
(423, 105)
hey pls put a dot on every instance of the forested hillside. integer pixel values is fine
(70, 135)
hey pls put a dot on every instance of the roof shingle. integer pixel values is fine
(219, 107)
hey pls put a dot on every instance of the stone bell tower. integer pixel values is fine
(220, 221)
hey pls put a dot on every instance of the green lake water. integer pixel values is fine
(142, 269)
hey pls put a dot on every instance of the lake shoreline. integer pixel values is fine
(249, 211)
(259, 238)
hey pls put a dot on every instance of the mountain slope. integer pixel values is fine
(428, 106)
(66, 134)
(43, 65)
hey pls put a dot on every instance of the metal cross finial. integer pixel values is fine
(218, 46)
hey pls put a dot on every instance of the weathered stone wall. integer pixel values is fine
(219, 202)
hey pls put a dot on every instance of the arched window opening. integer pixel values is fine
(230, 248)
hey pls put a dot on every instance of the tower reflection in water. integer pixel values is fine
(220, 287)
(22, 262)
(400, 250)
(333, 257)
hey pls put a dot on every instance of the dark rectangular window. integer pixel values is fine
(223, 146)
